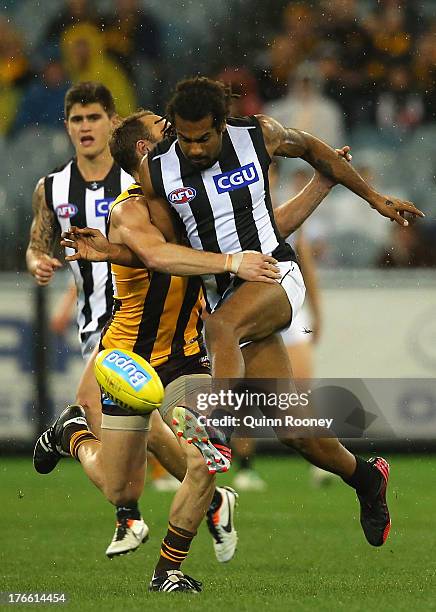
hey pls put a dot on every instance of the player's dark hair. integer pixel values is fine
(89, 92)
(196, 98)
(124, 138)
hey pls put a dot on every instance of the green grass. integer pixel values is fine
(300, 548)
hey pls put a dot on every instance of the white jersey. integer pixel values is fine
(225, 208)
(85, 203)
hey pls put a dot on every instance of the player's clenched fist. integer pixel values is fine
(44, 269)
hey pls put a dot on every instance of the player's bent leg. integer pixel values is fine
(54, 443)
(221, 506)
(253, 312)
(177, 411)
(123, 452)
(269, 359)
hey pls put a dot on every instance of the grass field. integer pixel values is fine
(300, 548)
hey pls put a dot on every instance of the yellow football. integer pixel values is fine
(128, 380)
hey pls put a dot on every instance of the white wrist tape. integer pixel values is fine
(233, 262)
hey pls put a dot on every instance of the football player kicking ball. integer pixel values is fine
(222, 165)
(159, 317)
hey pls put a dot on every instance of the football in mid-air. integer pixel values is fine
(129, 380)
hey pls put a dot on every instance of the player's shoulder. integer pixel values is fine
(60, 168)
(247, 122)
(132, 195)
(133, 190)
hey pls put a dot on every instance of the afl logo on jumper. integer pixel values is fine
(66, 211)
(182, 195)
(236, 179)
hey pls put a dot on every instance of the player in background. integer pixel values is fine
(305, 331)
(299, 339)
(80, 191)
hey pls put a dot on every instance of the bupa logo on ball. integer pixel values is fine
(182, 195)
(66, 211)
(102, 207)
(236, 179)
(126, 367)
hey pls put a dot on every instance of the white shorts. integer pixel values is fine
(296, 333)
(292, 282)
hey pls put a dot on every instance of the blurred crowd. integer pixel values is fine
(77, 44)
(355, 61)
(349, 71)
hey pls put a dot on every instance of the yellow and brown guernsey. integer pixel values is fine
(155, 315)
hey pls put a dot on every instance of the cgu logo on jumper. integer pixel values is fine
(236, 179)
(127, 369)
(182, 195)
(65, 211)
(102, 207)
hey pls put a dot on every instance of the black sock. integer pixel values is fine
(366, 480)
(174, 549)
(128, 511)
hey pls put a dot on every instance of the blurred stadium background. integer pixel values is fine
(357, 72)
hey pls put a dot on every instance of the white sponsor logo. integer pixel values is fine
(128, 369)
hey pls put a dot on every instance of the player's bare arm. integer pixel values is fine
(288, 142)
(134, 241)
(290, 215)
(91, 245)
(43, 233)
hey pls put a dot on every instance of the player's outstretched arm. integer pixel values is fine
(139, 244)
(166, 256)
(290, 215)
(131, 226)
(288, 142)
(43, 232)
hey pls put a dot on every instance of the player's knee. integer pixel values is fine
(217, 328)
